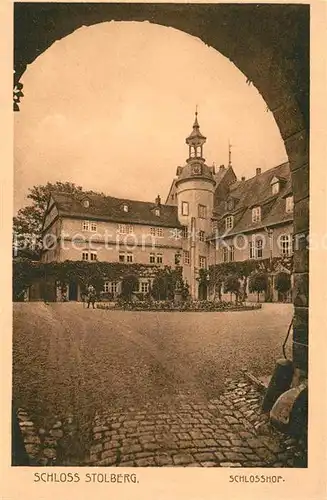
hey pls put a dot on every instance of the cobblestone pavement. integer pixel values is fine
(230, 431)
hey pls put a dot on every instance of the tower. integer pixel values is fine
(195, 186)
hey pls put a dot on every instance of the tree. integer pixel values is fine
(258, 282)
(232, 285)
(27, 224)
(165, 282)
(163, 286)
(128, 286)
(283, 283)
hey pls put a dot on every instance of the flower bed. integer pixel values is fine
(195, 306)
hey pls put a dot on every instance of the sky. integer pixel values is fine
(109, 107)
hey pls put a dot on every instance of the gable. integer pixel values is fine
(51, 214)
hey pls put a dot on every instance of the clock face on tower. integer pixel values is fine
(196, 169)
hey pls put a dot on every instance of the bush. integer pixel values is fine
(232, 285)
(258, 283)
(283, 283)
(128, 286)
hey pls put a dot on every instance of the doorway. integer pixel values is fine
(73, 291)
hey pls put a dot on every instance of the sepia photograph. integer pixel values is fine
(160, 245)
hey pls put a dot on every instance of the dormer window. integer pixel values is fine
(229, 222)
(275, 188)
(125, 208)
(229, 205)
(289, 204)
(157, 212)
(256, 214)
(275, 185)
(86, 203)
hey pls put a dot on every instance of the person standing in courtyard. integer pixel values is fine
(91, 296)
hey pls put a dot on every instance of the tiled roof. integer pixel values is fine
(219, 174)
(111, 209)
(253, 192)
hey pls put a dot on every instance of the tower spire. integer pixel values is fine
(196, 140)
(196, 123)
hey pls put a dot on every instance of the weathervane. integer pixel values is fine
(229, 154)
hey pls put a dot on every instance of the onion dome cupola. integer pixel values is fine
(195, 141)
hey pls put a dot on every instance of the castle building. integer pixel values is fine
(209, 217)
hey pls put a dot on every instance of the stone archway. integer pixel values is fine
(268, 43)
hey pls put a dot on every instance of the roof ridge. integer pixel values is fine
(105, 196)
(265, 172)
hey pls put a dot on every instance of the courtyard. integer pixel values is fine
(96, 367)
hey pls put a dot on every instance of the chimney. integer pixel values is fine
(158, 200)
(258, 171)
(243, 179)
(222, 167)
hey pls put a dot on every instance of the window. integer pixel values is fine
(125, 257)
(185, 232)
(157, 212)
(198, 152)
(185, 208)
(93, 226)
(214, 226)
(201, 236)
(202, 262)
(289, 204)
(231, 253)
(275, 188)
(229, 222)
(125, 208)
(144, 287)
(125, 229)
(86, 225)
(89, 255)
(159, 258)
(156, 231)
(186, 257)
(202, 211)
(225, 254)
(256, 249)
(259, 247)
(110, 287)
(129, 257)
(252, 250)
(256, 214)
(286, 244)
(192, 152)
(86, 203)
(230, 205)
(152, 258)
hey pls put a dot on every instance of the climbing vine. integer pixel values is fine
(26, 272)
(244, 269)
